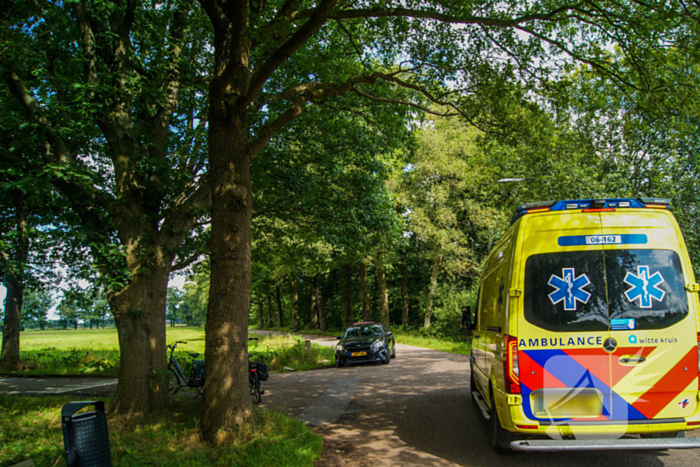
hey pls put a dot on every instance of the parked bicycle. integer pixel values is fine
(178, 380)
(257, 372)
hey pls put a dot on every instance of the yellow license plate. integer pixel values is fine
(359, 354)
(567, 402)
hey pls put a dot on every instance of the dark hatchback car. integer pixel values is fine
(365, 342)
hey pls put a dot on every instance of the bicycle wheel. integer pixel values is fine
(255, 387)
(174, 383)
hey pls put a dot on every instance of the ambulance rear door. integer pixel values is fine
(563, 326)
(654, 365)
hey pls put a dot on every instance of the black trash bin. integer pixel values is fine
(85, 435)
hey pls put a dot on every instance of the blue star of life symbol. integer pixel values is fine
(569, 289)
(644, 286)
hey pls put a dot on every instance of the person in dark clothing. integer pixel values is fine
(466, 318)
(466, 322)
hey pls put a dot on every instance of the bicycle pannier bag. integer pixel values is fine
(198, 369)
(262, 371)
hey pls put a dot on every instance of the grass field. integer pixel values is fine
(96, 352)
(401, 336)
(102, 339)
(30, 428)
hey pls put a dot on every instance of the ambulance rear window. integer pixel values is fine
(600, 290)
(565, 292)
(646, 287)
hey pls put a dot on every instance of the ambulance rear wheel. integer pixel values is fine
(500, 438)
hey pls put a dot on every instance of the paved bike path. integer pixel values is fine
(52, 386)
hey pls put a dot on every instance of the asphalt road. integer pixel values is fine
(414, 411)
(417, 411)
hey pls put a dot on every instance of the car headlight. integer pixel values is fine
(339, 347)
(376, 345)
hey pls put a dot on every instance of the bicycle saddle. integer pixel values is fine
(193, 355)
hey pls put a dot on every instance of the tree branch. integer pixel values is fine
(182, 220)
(269, 130)
(444, 18)
(407, 103)
(216, 14)
(58, 152)
(257, 80)
(186, 262)
(161, 121)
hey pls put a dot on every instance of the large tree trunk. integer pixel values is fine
(404, 294)
(431, 290)
(383, 293)
(349, 315)
(226, 398)
(367, 310)
(9, 359)
(139, 316)
(14, 281)
(295, 293)
(278, 298)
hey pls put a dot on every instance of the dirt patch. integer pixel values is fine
(338, 452)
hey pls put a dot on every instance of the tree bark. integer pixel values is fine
(139, 316)
(314, 305)
(9, 359)
(295, 293)
(226, 398)
(431, 290)
(260, 311)
(367, 310)
(14, 282)
(319, 305)
(349, 315)
(278, 297)
(404, 294)
(383, 293)
(269, 311)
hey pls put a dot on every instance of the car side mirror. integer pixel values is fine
(339, 337)
(389, 334)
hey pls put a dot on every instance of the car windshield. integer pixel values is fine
(362, 331)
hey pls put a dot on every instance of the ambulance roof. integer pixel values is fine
(590, 205)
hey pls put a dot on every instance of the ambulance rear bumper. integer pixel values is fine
(624, 444)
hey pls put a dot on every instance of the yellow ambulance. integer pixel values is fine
(586, 334)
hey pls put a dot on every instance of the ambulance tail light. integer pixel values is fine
(512, 368)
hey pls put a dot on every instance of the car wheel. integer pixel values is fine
(339, 365)
(387, 360)
(393, 352)
(500, 439)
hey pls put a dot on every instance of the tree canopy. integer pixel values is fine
(295, 140)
